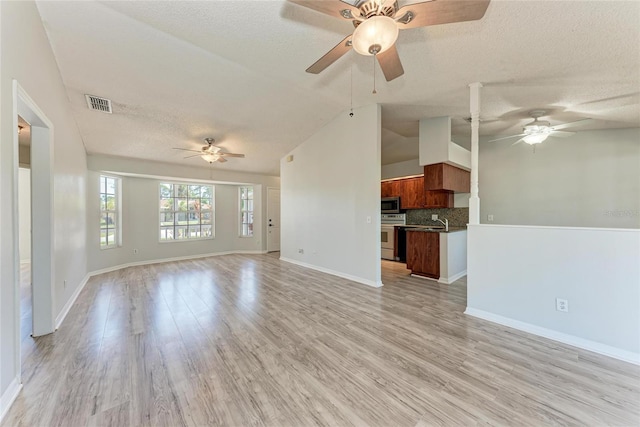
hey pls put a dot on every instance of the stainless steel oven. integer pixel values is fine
(390, 205)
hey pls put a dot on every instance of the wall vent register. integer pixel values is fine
(99, 104)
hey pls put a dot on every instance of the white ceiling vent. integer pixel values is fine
(98, 104)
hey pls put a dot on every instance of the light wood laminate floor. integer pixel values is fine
(248, 340)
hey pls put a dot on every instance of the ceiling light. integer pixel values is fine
(375, 35)
(210, 158)
(536, 132)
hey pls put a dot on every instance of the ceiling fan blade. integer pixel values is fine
(440, 12)
(332, 56)
(231, 155)
(186, 149)
(570, 124)
(506, 137)
(517, 142)
(221, 159)
(195, 155)
(561, 133)
(390, 63)
(333, 8)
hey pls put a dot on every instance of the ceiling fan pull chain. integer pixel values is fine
(351, 100)
(374, 74)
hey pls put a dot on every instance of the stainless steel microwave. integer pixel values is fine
(390, 205)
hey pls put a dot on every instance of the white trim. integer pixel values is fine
(72, 299)
(9, 396)
(572, 340)
(451, 279)
(25, 261)
(334, 273)
(552, 227)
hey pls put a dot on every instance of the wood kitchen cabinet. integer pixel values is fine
(412, 193)
(413, 196)
(442, 176)
(423, 253)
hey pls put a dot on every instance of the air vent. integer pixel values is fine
(98, 104)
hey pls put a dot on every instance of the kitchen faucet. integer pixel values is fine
(445, 222)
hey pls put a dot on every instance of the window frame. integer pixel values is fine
(117, 212)
(174, 212)
(241, 223)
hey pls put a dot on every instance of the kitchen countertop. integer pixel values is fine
(430, 229)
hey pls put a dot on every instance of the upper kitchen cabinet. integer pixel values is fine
(412, 193)
(390, 188)
(442, 176)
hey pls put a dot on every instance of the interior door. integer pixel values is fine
(273, 219)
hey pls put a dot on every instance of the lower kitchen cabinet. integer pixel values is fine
(423, 253)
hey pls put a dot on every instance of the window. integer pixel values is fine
(109, 212)
(186, 211)
(246, 211)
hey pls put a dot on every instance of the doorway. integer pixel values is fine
(273, 219)
(24, 230)
(40, 215)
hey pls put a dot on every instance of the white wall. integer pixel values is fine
(400, 169)
(25, 55)
(327, 193)
(24, 210)
(591, 179)
(140, 213)
(515, 274)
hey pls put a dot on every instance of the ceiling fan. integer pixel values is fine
(377, 23)
(210, 153)
(539, 130)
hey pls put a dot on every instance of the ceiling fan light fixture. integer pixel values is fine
(536, 138)
(375, 35)
(210, 158)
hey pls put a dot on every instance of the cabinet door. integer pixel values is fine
(438, 199)
(390, 188)
(423, 253)
(412, 193)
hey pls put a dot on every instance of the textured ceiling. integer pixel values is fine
(234, 70)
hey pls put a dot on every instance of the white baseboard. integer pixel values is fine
(9, 396)
(65, 310)
(572, 340)
(333, 272)
(450, 280)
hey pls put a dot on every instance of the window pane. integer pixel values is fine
(194, 191)
(166, 204)
(206, 231)
(111, 220)
(193, 205)
(250, 190)
(205, 192)
(250, 205)
(180, 190)
(250, 229)
(250, 219)
(103, 237)
(166, 218)
(166, 191)
(111, 186)
(111, 237)
(194, 231)
(181, 218)
(180, 204)
(205, 204)
(166, 233)
(103, 184)
(180, 232)
(206, 217)
(110, 203)
(243, 205)
(103, 202)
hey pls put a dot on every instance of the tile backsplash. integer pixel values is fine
(458, 217)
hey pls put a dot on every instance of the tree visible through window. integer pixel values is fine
(186, 211)
(109, 218)
(246, 211)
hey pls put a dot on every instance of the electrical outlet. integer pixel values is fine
(562, 305)
(434, 217)
(489, 217)
(301, 251)
(135, 251)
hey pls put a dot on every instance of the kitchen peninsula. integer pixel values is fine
(434, 253)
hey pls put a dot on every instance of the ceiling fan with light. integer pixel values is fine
(377, 23)
(539, 130)
(210, 153)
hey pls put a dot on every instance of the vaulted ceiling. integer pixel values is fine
(177, 72)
